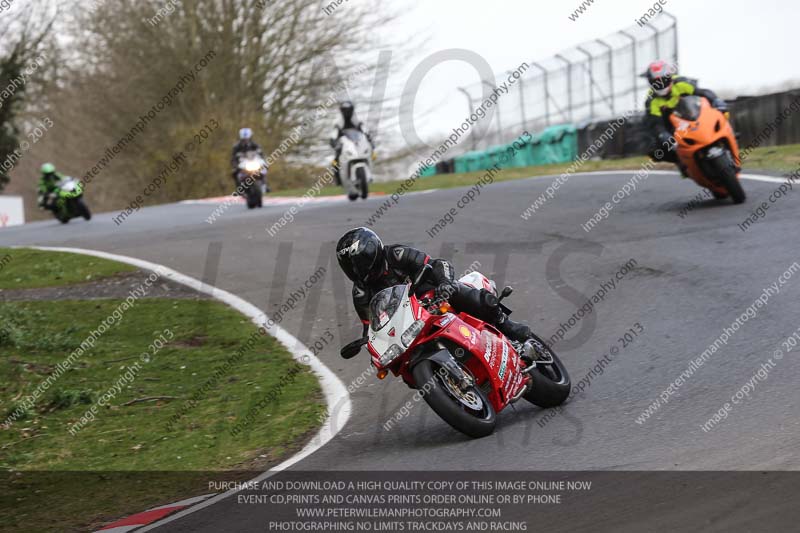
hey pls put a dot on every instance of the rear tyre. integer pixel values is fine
(361, 176)
(550, 383)
(472, 414)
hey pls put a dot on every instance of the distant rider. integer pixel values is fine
(372, 267)
(666, 90)
(348, 122)
(245, 144)
(48, 186)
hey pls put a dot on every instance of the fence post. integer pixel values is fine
(674, 28)
(493, 86)
(471, 110)
(546, 92)
(634, 43)
(569, 85)
(521, 98)
(611, 74)
(591, 80)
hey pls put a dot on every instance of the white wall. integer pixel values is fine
(12, 211)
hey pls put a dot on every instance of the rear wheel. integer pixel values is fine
(361, 176)
(550, 383)
(468, 411)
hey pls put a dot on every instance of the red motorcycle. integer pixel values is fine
(466, 370)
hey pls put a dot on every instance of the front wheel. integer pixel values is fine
(83, 210)
(468, 411)
(363, 185)
(550, 383)
(254, 197)
(734, 187)
(725, 168)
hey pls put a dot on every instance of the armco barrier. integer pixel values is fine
(632, 139)
(767, 120)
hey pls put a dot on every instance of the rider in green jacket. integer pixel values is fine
(48, 185)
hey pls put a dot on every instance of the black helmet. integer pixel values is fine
(347, 108)
(360, 255)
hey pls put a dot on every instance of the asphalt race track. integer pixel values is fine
(693, 277)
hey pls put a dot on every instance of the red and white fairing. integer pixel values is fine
(495, 361)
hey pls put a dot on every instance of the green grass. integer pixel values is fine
(783, 159)
(23, 268)
(127, 459)
(777, 159)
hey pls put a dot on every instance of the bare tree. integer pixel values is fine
(26, 46)
(197, 71)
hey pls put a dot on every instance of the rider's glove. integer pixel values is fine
(720, 105)
(666, 142)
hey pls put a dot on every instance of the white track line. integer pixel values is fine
(753, 177)
(336, 395)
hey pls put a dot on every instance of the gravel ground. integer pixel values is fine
(114, 287)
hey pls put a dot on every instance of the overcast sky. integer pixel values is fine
(732, 46)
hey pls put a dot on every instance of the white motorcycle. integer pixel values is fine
(251, 179)
(355, 163)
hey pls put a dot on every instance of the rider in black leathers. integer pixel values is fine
(348, 113)
(372, 267)
(245, 144)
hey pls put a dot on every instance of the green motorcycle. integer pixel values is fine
(68, 201)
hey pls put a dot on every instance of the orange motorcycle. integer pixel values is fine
(707, 147)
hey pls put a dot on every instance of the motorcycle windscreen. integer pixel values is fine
(689, 108)
(352, 134)
(384, 305)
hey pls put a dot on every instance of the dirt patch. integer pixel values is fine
(197, 340)
(114, 287)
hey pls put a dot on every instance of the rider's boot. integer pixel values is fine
(515, 331)
(337, 174)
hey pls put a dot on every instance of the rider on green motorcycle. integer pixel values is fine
(48, 186)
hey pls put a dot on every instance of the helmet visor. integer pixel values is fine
(661, 85)
(362, 264)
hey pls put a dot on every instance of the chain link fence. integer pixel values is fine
(594, 81)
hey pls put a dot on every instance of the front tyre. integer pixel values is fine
(734, 187)
(550, 383)
(726, 170)
(253, 196)
(83, 209)
(467, 411)
(363, 185)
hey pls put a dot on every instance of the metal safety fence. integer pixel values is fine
(595, 80)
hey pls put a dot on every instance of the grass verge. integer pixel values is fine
(781, 159)
(127, 456)
(24, 268)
